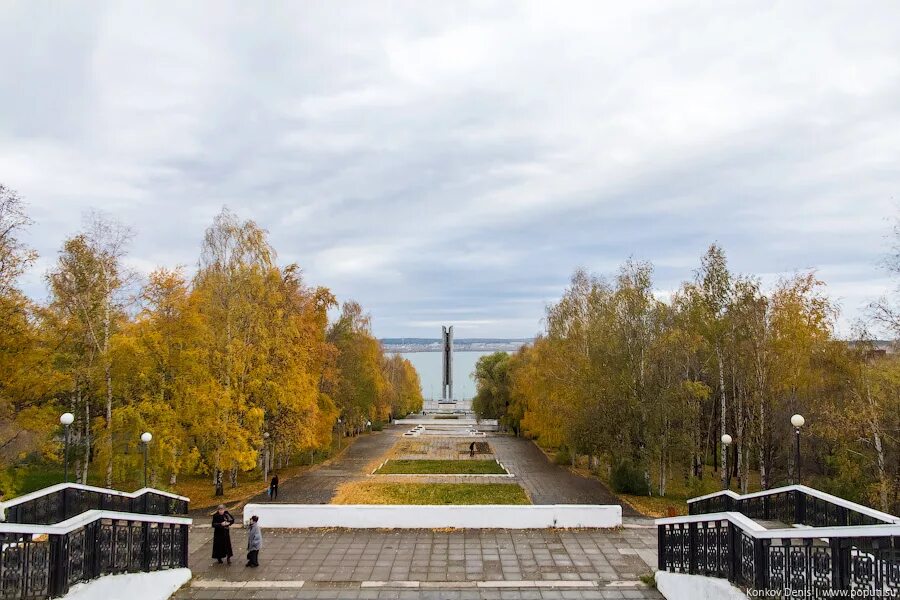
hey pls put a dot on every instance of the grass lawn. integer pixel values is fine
(201, 491)
(199, 488)
(430, 493)
(678, 490)
(677, 495)
(441, 467)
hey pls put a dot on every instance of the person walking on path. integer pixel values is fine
(221, 522)
(273, 488)
(472, 450)
(254, 542)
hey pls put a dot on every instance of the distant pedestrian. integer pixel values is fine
(472, 449)
(254, 542)
(221, 522)
(273, 488)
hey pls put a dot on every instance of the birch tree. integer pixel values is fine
(87, 284)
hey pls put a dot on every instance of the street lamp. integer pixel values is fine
(145, 439)
(266, 458)
(340, 433)
(797, 421)
(66, 419)
(726, 481)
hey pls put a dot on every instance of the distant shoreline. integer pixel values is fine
(461, 345)
(455, 350)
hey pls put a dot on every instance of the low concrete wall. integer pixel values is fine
(373, 516)
(158, 585)
(680, 586)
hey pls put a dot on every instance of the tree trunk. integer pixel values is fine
(87, 442)
(723, 456)
(884, 483)
(737, 397)
(662, 473)
(109, 434)
(109, 393)
(760, 448)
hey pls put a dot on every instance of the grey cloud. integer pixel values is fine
(442, 162)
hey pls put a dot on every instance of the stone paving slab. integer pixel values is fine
(423, 594)
(317, 555)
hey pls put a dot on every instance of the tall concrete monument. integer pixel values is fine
(447, 364)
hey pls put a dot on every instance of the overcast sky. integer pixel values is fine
(444, 162)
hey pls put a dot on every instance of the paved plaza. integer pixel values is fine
(359, 563)
(451, 564)
(545, 482)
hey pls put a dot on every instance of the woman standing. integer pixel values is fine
(221, 522)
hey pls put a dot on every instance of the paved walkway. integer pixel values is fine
(544, 563)
(548, 483)
(319, 484)
(456, 564)
(545, 482)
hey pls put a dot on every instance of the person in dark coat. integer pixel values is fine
(221, 522)
(273, 488)
(254, 542)
(472, 449)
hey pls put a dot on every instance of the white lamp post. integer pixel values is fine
(145, 439)
(66, 419)
(797, 421)
(726, 441)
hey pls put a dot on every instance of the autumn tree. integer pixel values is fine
(28, 384)
(404, 390)
(87, 284)
(360, 389)
(492, 393)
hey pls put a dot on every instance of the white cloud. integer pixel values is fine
(465, 156)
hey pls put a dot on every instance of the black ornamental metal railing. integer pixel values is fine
(67, 534)
(43, 561)
(805, 560)
(66, 500)
(791, 505)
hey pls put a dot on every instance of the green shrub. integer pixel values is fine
(563, 457)
(377, 426)
(629, 479)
